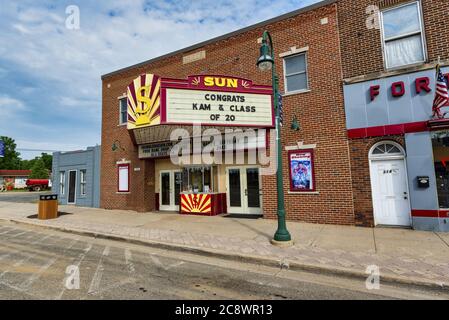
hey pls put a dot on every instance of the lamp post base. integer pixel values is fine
(282, 244)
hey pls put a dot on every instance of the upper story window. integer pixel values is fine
(295, 73)
(403, 35)
(123, 105)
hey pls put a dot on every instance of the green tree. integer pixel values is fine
(11, 160)
(39, 171)
(48, 160)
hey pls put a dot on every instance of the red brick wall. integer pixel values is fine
(320, 113)
(361, 47)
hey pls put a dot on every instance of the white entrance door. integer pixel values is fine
(244, 186)
(390, 192)
(170, 188)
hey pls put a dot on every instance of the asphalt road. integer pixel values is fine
(37, 263)
(21, 197)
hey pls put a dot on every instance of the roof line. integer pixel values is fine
(225, 36)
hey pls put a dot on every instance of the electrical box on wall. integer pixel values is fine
(423, 182)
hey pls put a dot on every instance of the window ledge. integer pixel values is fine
(123, 193)
(304, 193)
(296, 92)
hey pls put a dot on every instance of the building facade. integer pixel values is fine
(14, 179)
(398, 153)
(359, 78)
(76, 177)
(307, 60)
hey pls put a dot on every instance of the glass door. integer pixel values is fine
(244, 190)
(170, 189)
(253, 191)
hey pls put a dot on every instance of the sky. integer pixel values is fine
(50, 74)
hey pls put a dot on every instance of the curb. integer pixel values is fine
(283, 263)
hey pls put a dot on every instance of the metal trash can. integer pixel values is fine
(48, 207)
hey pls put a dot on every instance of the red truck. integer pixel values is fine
(38, 184)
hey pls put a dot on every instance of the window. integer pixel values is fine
(440, 145)
(62, 183)
(123, 178)
(83, 182)
(295, 70)
(403, 35)
(123, 104)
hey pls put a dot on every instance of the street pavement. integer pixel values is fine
(405, 256)
(22, 197)
(34, 264)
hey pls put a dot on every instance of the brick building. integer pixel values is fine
(324, 53)
(389, 52)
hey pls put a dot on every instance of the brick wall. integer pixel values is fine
(320, 113)
(362, 47)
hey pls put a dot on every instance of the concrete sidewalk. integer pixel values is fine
(404, 256)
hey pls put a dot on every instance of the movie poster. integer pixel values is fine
(301, 171)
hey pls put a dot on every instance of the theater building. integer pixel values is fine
(361, 147)
(217, 82)
(399, 151)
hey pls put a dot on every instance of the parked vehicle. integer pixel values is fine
(38, 184)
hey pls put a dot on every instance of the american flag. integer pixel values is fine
(441, 95)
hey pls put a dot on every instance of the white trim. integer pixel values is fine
(293, 51)
(300, 146)
(387, 156)
(304, 193)
(292, 93)
(124, 95)
(68, 187)
(422, 32)
(123, 161)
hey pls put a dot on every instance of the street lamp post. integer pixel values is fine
(265, 63)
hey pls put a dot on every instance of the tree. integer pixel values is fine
(48, 160)
(11, 160)
(39, 171)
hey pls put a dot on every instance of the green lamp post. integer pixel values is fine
(266, 63)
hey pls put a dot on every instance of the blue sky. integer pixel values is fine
(50, 86)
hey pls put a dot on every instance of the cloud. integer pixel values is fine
(49, 68)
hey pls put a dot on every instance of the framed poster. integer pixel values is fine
(302, 171)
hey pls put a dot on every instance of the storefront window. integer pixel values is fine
(440, 142)
(199, 179)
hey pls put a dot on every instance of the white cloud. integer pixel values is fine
(62, 68)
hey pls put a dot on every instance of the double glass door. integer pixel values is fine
(244, 190)
(169, 196)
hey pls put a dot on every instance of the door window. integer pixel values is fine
(165, 188)
(235, 197)
(253, 187)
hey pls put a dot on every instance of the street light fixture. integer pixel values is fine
(266, 62)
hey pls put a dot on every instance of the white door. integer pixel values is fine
(244, 186)
(390, 192)
(170, 188)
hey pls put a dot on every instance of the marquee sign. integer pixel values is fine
(207, 100)
(162, 149)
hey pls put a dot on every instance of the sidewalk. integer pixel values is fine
(404, 256)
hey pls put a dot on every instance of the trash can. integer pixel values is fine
(48, 207)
